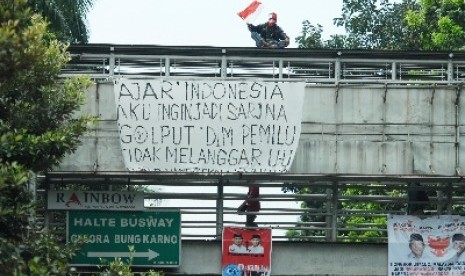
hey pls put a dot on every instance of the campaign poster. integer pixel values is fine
(246, 252)
(431, 246)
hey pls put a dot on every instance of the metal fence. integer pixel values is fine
(314, 66)
(314, 208)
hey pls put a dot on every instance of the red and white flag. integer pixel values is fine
(251, 12)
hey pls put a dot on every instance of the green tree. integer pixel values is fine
(360, 19)
(439, 24)
(406, 25)
(368, 24)
(67, 18)
(373, 24)
(310, 37)
(38, 127)
(376, 221)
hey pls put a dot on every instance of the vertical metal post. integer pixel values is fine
(337, 67)
(274, 68)
(400, 71)
(450, 68)
(457, 130)
(280, 72)
(333, 210)
(219, 209)
(337, 70)
(167, 66)
(224, 64)
(111, 62)
(288, 69)
(329, 217)
(96, 112)
(394, 70)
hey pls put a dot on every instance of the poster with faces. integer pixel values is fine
(426, 246)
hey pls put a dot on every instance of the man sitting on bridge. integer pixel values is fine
(269, 34)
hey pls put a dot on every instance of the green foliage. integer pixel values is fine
(293, 235)
(14, 201)
(359, 18)
(47, 255)
(369, 24)
(37, 108)
(13, 209)
(310, 37)
(354, 200)
(406, 25)
(439, 24)
(375, 24)
(67, 18)
(23, 250)
(38, 127)
(354, 222)
(119, 267)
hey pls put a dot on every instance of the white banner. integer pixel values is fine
(95, 200)
(208, 125)
(431, 246)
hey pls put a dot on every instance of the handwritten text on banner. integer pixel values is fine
(208, 125)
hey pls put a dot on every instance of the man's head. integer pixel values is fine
(272, 19)
(458, 241)
(255, 240)
(417, 245)
(237, 238)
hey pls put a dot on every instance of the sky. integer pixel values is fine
(201, 22)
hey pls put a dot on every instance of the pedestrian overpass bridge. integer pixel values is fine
(372, 120)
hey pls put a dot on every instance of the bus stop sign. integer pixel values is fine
(154, 236)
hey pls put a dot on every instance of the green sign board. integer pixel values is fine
(155, 236)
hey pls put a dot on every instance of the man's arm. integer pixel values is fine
(251, 27)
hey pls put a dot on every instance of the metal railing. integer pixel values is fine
(103, 61)
(315, 207)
